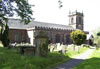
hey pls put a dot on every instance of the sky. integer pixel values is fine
(49, 11)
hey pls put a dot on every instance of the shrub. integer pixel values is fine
(78, 37)
(98, 34)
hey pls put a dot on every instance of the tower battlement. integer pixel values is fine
(76, 20)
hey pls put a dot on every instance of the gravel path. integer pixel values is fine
(74, 62)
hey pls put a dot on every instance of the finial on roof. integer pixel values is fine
(82, 11)
(76, 10)
(69, 12)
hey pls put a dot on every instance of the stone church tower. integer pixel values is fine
(76, 20)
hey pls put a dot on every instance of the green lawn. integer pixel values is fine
(93, 62)
(73, 54)
(12, 59)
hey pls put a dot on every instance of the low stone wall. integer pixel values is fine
(27, 50)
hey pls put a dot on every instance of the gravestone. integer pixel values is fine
(64, 49)
(41, 42)
(51, 47)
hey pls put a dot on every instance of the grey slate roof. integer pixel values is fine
(15, 24)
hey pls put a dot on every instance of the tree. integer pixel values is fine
(20, 7)
(60, 3)
(98, 34)
(5, 36)
(9, 8)
(78, 37)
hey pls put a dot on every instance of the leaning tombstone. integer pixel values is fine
(41, 42)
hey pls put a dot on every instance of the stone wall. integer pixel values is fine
(52, 36)
(26, 36)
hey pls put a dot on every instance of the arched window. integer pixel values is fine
(80, 20)
(72, 20)
(57, 38)
(17, 37)
(67, 39)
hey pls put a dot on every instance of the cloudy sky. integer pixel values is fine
(49, 11)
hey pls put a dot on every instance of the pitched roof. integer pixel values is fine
(15, 24)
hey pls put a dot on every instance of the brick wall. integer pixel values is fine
(17, 35)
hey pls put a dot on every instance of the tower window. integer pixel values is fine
(72, 20)
(80, 20)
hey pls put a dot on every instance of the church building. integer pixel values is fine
(19, 32)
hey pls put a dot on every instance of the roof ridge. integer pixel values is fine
(39, 22)
(16, 24)
(52, 23)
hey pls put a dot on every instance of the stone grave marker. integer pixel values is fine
(41, 42)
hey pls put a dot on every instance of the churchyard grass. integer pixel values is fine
(12, 59)
(71, 53)
(93, 62)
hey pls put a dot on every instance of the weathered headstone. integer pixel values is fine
(41, 41)
(64, 49)
(51, 47)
